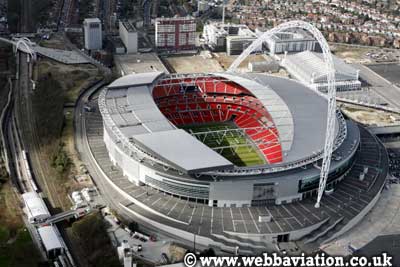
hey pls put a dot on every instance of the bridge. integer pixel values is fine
(64, 56)
(22, 44)
(66, 215)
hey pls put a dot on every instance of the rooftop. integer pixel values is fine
(181, 150)
(312, 66)
(50, 238)
(139, 63)
(128, 26)
(92, 20)
(174, 18)
(298, 113)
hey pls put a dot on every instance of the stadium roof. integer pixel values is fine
(135, 80)
(181, 150)
(298, 113)
(131, 107)
(312, 66)
(274, 104)
(309, 111)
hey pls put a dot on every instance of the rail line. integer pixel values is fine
(18, 158)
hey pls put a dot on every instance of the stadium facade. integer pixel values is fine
(146, 118)
(277, 122)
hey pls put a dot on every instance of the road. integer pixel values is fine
(380, 85)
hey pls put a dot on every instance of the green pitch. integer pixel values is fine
(240, 156)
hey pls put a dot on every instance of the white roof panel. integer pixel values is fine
(135, 79)
(182, 150)
(311, 66)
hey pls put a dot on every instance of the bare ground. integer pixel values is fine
(194, 64)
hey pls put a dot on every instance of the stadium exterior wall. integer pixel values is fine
(228, 193)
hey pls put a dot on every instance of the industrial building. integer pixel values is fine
(297, 41)
(93, 34)
(309, 68)
(232, 38)
(129, 36)
(175, 34)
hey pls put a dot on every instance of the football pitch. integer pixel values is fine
(240, 155)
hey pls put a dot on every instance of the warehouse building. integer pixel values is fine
(175, 34)
(310, 69)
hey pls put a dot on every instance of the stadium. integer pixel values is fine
(233, 160)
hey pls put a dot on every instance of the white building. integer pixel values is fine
(93, 34)
(232, 38)
(129, 36)
(297, 41)
(310, 69)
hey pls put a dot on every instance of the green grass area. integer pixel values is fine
(240, 156)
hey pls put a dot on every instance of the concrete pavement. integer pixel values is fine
(380, 85)
(383, 219)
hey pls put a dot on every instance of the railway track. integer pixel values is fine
(27, 124)
(22, 174)
(17, 140)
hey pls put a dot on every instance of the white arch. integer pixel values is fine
(331, 96)
(27, 47)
